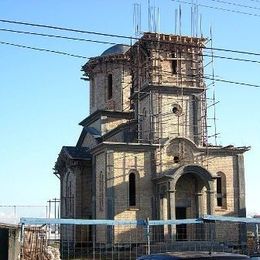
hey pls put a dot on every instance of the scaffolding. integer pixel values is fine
(186, 72)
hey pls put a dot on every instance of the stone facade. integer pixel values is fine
(143, 152)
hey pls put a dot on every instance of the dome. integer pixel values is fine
(116, 49)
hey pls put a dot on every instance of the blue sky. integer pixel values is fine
(43, 98)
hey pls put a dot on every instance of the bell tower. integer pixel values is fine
(110, 79)
(168, 88)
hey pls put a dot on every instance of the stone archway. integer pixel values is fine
(190, 202)
(192, 186)
(189, 189)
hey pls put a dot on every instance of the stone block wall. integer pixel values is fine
(171, 116)
(112, 189)
(124, 164)
(100, 195)
(172, 64)
(225, 164)
(217, 163)
(109, 123)
(89, 141)
(121, 83)
(106, 124)
(68, 194)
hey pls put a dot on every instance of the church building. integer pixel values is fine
(143, 151)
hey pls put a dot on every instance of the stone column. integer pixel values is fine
(165, 208)
(211, 202)
(199, 204)
(171, 210)
(165, 214)
(160, 203)
(199, 212)
(211, 197)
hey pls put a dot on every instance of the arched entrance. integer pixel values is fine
(187, 190)
(190, 200)
(190, 194)
(194, 197)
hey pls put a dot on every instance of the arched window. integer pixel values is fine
(174, 67)
(101, 191)
(176, 109)
(109, 86)
(143, 129)
(174, 63)
(144, 112)
(68, 195)
(93, 89)
(221, 189)
(132, 189)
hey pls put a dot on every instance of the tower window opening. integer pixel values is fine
(176, 159)
(176, 109)
(93, 95)
(109, 86)
(219, 185)
(174, 67)
(144, 112)
(219, 192)
(132, 189)
(174, 63)
(221, 189)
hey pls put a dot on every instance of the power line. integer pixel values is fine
(44, 50)
(210, 78)
(84, 57)
(67, 29)
(56, 36)
(217, 8)
(107, 42)
(216, 79)
(125, 37)
(233, 51)
(231, 58)
(257, 1)
(233, 82)
(235, 4)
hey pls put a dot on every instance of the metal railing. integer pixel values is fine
(128, 239)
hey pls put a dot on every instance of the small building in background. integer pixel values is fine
(9, 241)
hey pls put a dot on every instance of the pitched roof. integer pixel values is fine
(91, 130)
(77, 153)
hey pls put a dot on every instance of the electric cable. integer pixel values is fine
(67, 29)
(56, 36)
(125, 37)
(84, 57)
(108, 42)
(44, 50)
(218, 8)
(235, 4)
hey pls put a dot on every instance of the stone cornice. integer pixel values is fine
(97, 115)
(133, 147)
(166, 89)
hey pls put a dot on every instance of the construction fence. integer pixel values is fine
(111, 239)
